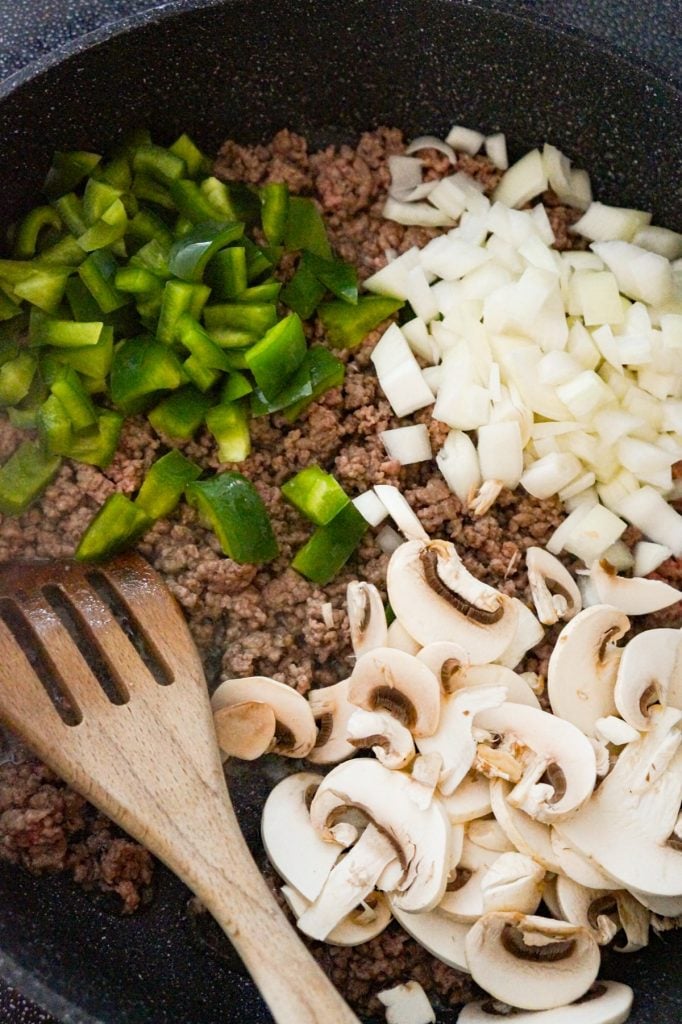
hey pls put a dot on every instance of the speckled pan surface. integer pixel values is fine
(328, 69)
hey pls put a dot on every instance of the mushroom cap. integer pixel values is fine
(582, 668)
(574, 865)
(470, 800)
(398, 639)
(391, 680)
(634, 595)
(361, 925)
(650, 672)
(245, 730)
(460, 608)
(456, 676)
(604, 912)
(294, 848)
(534, 963)
(390, 741)
(611, 1004)
(513, 882)
(554, 591)
(295, 732)
(366, 617)
(331, 710)
(443, 658)
(440, 935)
(528, 836)
(528, 634)
(421, 836)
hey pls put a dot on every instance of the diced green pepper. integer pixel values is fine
(254, 317)
(98, 274)
(141, 367)
(179, 297)
(325, 370)
(98, 197)
(75, 399)
(93, 361)
(304, 291)
(226, 273)
(147, 225)
(331, 546)
(44, 288)
(274, 199)
(152, 256)
(274, 358)
(217, 196)
(137, 280)
(8, 308)
(48, 330)
(316, 494)
(231, 338)
(25, 476)
(28, 232)
(229, 425)
(70, 209)
(267, 291)
(258, 260)
(236, 386)
(191, 202)
(298, 388)
(116, 172)
(192, 335)
(55, 429)
(347, 326)
(165, 483)
(236, 512)
(147, 188)
(202, 376)
(117, 525)
(159, 163)
(340, 278)
(187, 150)
(66, 252)
(188, 256)
(111, 226)
(180, 415)
(305, 228)
(15, 378)
(97, 446)
(67, 170)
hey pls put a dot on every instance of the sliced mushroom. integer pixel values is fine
(399, 639)
(489, 834)
(633, 595)
(528, 634)
(649, 673)
(614, 730)
(582, 667)
(388, 739)
(554, 591)
(444, 658)
(426, 771)
(294, 848)
(604, 912)
(435, 598)
(439, 934)
(463, 899)
(364, 922)
(407, 1004)
(528, 836)
(420, 836)
(245, 730)
(455, 676)
(628, 825)
(667, 906)
(559, 766)
(470, 800)
(513, 882)
(332, 710)
(295, 730)
(531, 962)
(454, 739)
(607, 1002)
(389, 680)
(366, 617)
(583, 870)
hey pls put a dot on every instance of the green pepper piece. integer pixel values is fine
(116, 526)
(70, 210)
(188, 256)
(48, 330)
(192, 335)
(67, 170)
(238, 516)
(298, 388)
(165, 483)
(152, 256)
(12, 272)
(200, 375)
(316, 494)
(145, 187)
(340, 278)
(274, 358)
(159, 163)
(98, 197)
(147, 225)
(44, 288)
(28, 232)
(347, 326)
(69, 390)
(136, 280)
(97, 447)
(331, 546)
(25, 476)
(180, 415)
(110, 227)
(305, 228)
(8, 308)
(231, 338)
(217, 196)
(226, 273)
(274, 199)
(254, 317)
(55, 429)
(98, 274)
(236, 386)
(191, 202)
(229, 424)
(66, 252)
(141, 367)
(326, 371)
(116, 172)
(304, 291)
(187, 150)
(258, 260)
(267, 291)
(23, 419)
(15, 378)
(179, 297)
(93, 361)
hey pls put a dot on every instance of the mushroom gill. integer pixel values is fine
(514, 941)
(429, 560)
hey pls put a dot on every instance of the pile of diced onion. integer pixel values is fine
(558, 371)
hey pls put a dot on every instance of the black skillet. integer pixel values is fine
(328, 69)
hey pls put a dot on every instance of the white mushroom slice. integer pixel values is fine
(528, 836)
(399, 639)
(531, 962)
(604, 912)
(245, 730)
(364, 922)
(555, 592)
(650, 673)
(422, 837)
(349, 883)
(295, 731)
(390, 680)
(295, 850)
(331, 709)
(407, 1004)
(435, 598)
(608, 1002)
(389, 740)
(453, 739)
(513, 882)
(528, 634)
(614, 730)
(582, 667)
(576, 866)
(463, 898)
(633, 595)
(458, 677)
(628, 826)
(667, 906)
(490, 835)
(443, 658)
(401, 512)
(469, 801)
(366, 617)
(424, 777)
(436, 932)
(557, 752)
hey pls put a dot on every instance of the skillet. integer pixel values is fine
(329, 70)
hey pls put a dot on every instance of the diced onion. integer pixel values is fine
(416, 214)
(549, 474)
(496, 149)
(388, 540)
(400, 512)
(640, 274)
(431, 142)
(648, 510)
(327, 613)
(595, 532)
(371, 508)
(661, 240)
(601, 223)
(500, 453)
(465, 140)
(419, 295)
(408, 444)
(523, 181)
(406, 174)
(392, 279)
(648, 557)
(458, 462)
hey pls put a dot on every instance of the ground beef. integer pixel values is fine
(249, 620)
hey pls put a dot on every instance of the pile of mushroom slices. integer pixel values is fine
(478, 805)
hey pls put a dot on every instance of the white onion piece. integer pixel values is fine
(596, 296)
(523, 181)
(406, 175)
(408, 444)
(580, 194)
(500, 454)
(388, 540)
(648, 557)
(584, 394)
(431, 142)
(595, 532)
(416, 214)
(420, 341)
(549, 474)
(555, 544)
(458, 462)
(391, 280)
(370, 508)
(649, 512)
(399, 373)
(558, 170)
(661, 240)
(451, 258)
(671, 330)
(640, 274)
(496, 150)
(400, 512)
(601, 223)
(419, 295)
(465, 140)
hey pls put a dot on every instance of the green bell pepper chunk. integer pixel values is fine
(66, 252)
(117, 525)
(236, 512)
(316, 494)
(192, 335)
(274, 358)
(347, 326)
(44, 288)
(267, 291)
(159, 163)
(116, 172)
(23, 419)
(254, 317)
(147, 225)
(274, 199)
(164, 484)
(141, 367)
(92, 361)
(217, 196)
(331, 546)
(69, 390)
(70, 210)
(25, 476)
(28, 232)
(298, 388)
(202, 376)
(236, 386)
(325, 370)
(188, 256)
(258, 259)
(180, 415)
(98, 197)
(16, 376)
(152, 256)
(187, 150)
(229, 424)
(226, 273)
(179, 297)
(110, 227)
(304, 292)
(137, 280)
(191, 203)
(340, 278)
(55, 429)
(98, 274)
(305, 228)
(97, 446)
(231, 338)
(81, 301)
(49, 330)
(8, 308)
(147, 188)
(68, 170)
(236, 357)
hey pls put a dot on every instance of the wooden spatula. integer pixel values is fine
(101, 678)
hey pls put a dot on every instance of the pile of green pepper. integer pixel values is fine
(147, 285)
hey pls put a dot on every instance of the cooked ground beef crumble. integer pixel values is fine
(267, 620)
